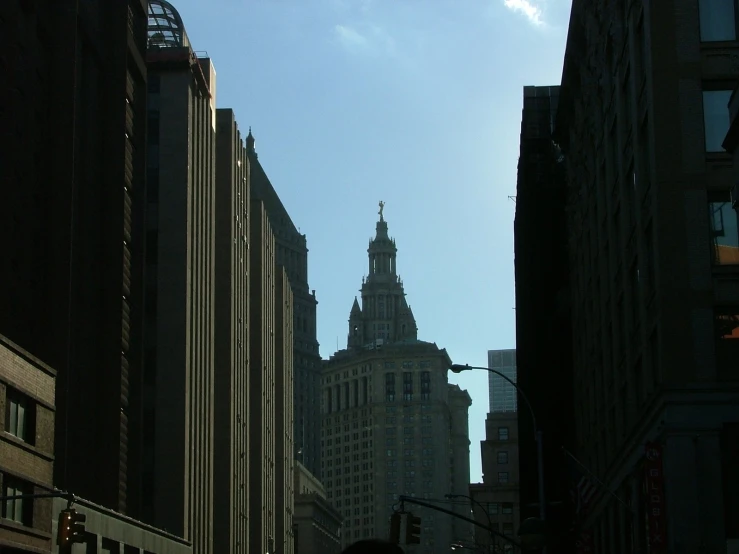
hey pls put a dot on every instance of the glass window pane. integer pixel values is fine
(717, 20)
(724, 233)
(21, 431)
(13, 423)
(716, 118)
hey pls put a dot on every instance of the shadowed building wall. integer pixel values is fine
(231, 395)
(71, 217)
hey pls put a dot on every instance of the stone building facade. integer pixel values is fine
(27, 390)
(391, 423)
(317, 525)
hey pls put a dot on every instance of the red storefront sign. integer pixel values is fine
(655, 489)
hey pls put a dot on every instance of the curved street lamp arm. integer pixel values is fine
(485, 511)
(457, 368)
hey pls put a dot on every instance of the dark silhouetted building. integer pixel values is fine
(72, 133)
(543, 324)
(642, 116)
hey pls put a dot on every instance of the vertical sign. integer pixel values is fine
(655, 488)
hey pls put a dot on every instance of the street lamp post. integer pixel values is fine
(458, 368)
(486, 512)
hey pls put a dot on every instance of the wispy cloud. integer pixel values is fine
(350, 37)
(365, 38)
(528, 8)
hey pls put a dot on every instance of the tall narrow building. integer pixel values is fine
(71, 218)
(391, 423)
(292, 254)
(231, 328)
(180, 294)
(262, 427)
(284, 408)
(543, 315)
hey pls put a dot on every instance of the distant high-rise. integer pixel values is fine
(72, 134)
(392, 424)
(503, 395)
(292, 254)
(180, 294)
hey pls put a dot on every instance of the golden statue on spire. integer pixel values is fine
(382, 207)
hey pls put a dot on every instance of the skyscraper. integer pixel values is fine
(180, 294)
(72, 218)
(391, 423)
(503, 395)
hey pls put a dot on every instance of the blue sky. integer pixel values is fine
(413, 102)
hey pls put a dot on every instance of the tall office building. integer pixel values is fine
(292, 254)
(262, 502)
(71, 219)
(543, 317)
(180, 293)
(641, 120)
(391, 423)
(503, 395)
(231, 328)
(284, 409)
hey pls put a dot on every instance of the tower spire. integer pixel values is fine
(250, 142)
(384, 315)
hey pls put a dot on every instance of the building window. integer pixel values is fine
(19, 510)
(508, 529)
(507, 508)
(425, 384)
(724, 232)
(717, 20)
(502, 433)
(390, 387)
(716, 118)
(407, 385)
(19, 416)
(503, 457)
(502, 477)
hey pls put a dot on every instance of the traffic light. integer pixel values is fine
(71, 528)
(395, 528)
(413, 530)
